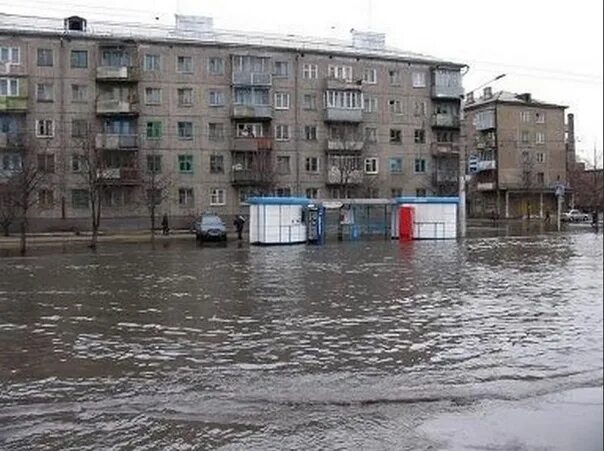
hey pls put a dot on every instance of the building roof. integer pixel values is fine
(508, 97)
(200, 30)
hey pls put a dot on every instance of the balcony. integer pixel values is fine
(486, 165)
(337, 84)
(344, 146)
(251, 144)
(486, 186)
(446, 177)
(343, 115)
(252, 79)
(116, 107)
(339, 176)
(447, 92)
(260, 112)
(8, 69)
(18, 103)
(445, 149)
(249, 177)
(445, 121)
(11, 140)
(117, 73)
(120, 176)
(109, 141)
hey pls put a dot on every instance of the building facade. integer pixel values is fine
(217, 117)
(517, 148)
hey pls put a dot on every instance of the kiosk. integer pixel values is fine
(277, 220)
(424, 218)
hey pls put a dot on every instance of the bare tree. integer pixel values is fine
(155, 187)
(346, 147)
(8, 210)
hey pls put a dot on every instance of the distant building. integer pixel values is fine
(517, 145)
(224, 115)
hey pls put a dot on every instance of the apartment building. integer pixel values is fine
(220, 116)
(516, 145)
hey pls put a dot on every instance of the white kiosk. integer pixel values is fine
(430, 218)
(277, 220)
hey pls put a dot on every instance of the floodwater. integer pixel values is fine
(364, 345)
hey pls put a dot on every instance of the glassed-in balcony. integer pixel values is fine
(109, 141)
(445, 121)
(246, 78)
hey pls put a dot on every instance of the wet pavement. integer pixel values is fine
(364, 345)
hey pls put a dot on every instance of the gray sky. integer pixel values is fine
(552, 49)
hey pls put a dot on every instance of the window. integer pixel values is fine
(185, 197)
(396, 106)
(45, 128)
(46, 163)
(282, 132)
(371, 135)
(371, 165)
(370, 76)
(11, 161)
(250, 130)
(283, 165)
(185, 130)
(309, 102)
(185, 163)
(10, 55)
(45, 57)
(312, 164)
(396, 165)
(396, 192)
(348, 100)
(79, 128)
(281, 101)
(283, 192)
(217, 196)
(370, 104)
(540, 118)
(310, 71)
(216, 98)
(79, 59)
(154, 129)
(420, 192)
(525, 116)
(9, 87)
(444, 137)
(340, 72)
(395, 135)
(153, 96)
(525, 137)
(216, 66)
(540, 178)
(215, 131)
(184, 64)
(79, 93)
(419, 79)
(281, 69)
(419, 108)
(420, 165)
(312, 193)
(154, 164)
(540, 157)
(540, 138)
(44, 92)
(216, 164)
(184, 96)
(419, 136)
(151, 62)
(77, 163)
(80, 198)
(310, 132)
(395, 77)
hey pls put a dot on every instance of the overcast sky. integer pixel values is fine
(551, 49)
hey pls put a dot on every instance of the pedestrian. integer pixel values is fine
(165, 229)
(238, 223)
(547, 217)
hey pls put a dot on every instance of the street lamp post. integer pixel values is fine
(462, 171)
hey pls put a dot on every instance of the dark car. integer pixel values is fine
(210, 227)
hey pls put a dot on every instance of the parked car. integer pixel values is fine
(209, 227)
(575, 216)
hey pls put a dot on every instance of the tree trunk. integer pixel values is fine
(152, 223)
(23, 241)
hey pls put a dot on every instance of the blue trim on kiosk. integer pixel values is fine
(426, 200)
(278, 201)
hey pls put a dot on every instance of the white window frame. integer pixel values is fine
(10, 85)
(178, 97)
(281, 64)
(419, 79)
(540, 138)
(243, 130)
(370, 104)
(525, 116)
(395, 80)
(189, 197)
(371, 134)
(216, 94)
(310, 71)
(282, 132)
(152, 62)
(221, 64)
(371, 165)
(313, 103)
(51, 93)
(282, 100)
(370, 76)
(313, 193)
(185, 71)
(540, 117)
(188, 137)
(148, 99)
(314, 163)
(311, 132)
(340, 72)
(217, 197)
(7, 55)
(48, 128)
(395, 106)
(540, 157)
(425, 168)
(346, 100)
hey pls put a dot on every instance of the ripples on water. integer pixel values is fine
(341, 346)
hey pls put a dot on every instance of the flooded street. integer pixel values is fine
(365, 345)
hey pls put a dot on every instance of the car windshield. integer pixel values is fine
(211, 220)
